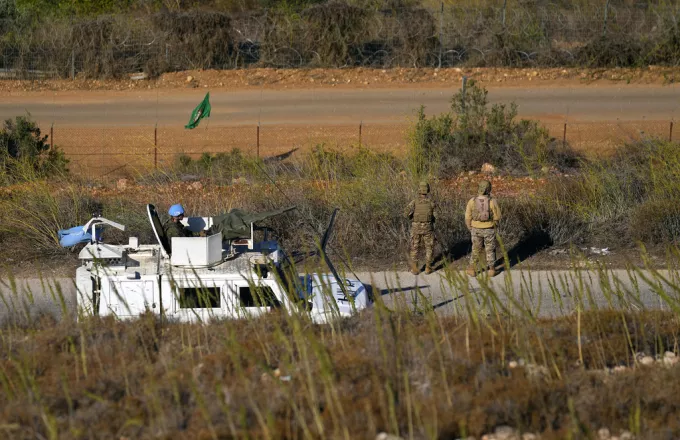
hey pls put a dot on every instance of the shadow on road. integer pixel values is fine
(527, 247)
(455, 252)
(371, 290)
(448, 301)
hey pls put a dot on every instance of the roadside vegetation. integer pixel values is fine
(404, 371)
(114, 39)
(615, 202)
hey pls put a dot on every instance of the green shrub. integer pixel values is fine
(472, 134)
(25, 153)
(220, 167)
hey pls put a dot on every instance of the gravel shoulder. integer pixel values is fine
(267, 78)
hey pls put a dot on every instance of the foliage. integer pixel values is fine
(204, 38)
(280, 374)
(33, 214)
(25, 153)
(472, 134)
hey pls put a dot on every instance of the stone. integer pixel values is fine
(603, 434)
(472, 173)
(190, 78)
(626, 435)
(196, 186)
(121, 184)
(505, 433)
(669, 355)
(529, 436)
(386, 436)
(647, 360)
(487, 168)
(513, 364)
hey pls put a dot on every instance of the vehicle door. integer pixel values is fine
(133, 297)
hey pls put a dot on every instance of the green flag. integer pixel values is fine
(201, 111)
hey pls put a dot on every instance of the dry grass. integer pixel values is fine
(421, 376)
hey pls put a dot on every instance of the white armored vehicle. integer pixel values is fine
(199, 278)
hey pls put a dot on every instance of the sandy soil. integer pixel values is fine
(360, 77)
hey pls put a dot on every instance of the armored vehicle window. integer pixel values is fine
(199, 298)
(259, 297)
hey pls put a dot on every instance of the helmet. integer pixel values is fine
(423, 188)
(176, 210)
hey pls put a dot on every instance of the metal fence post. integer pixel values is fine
(155, 147)
(670, 133)
(505, 5)
(361, 123)
(52, 135)
(462, 91)
(73, 64)
(258, 140)
(604, 23)
(441, 34)
(564, 136)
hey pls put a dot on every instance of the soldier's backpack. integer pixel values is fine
(481, 212)
(422, 213)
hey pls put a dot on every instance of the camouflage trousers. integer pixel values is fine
(421, 233)
(483, 238)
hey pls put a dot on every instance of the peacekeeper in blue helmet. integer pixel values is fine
(173, 227)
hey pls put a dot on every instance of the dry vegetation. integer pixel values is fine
(113, 43)
(614, 202)
(418, 375)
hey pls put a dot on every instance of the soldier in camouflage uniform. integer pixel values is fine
(422, 213)
(482, 215)
(173, 226)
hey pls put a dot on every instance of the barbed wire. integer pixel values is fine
(339, 35)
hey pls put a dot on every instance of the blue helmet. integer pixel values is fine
(176, 210)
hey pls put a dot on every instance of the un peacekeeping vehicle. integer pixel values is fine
(204, 277)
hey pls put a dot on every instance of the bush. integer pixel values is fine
(203, 39)
(656, 222)
(331, 30)
(611, 52)
(25, 153)
(473, 134)
(32, 215)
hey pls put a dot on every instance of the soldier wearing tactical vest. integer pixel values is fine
(482, 215)
(421, 212)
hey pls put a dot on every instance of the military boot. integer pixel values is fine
(492, 272)
(414, 268)
(471, 270)
(428, 269)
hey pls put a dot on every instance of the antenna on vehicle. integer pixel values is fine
(324, 240)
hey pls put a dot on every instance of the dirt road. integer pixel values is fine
(334, 106)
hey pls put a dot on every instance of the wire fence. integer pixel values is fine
(342, 35)
(133, 151)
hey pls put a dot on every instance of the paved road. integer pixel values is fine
(332, 106)
(541, 293)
